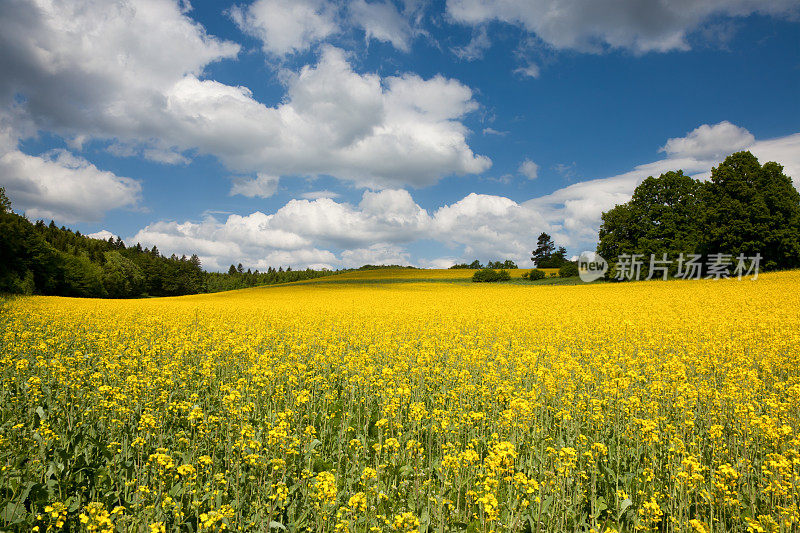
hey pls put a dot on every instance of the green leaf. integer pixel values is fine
(13, 513)
(624, 505)
(474, 527)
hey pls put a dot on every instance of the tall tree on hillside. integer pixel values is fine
(546, 255)
(5, 203)
(750, 209)
(544, 249)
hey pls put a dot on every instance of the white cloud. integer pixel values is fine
(531, 70)
(592, 26)
(784, 150)
(575, 210)
(492, 131)
(382, 21)
(488, 227)
(710, 141)
(376, 254)
(103, 235)
(304, 233)
(478, 44)
(383, 226)
(133, 76)
(286, 26)
(439, 262)
(300, 230)
(529, 169)
(315, 195)
(289, 26)
(263, 186)
(387, 216)
(59, 185)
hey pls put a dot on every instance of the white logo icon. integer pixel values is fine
(591, 266)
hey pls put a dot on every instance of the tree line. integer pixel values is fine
(745, 209)
(476, 265)
(37, 258)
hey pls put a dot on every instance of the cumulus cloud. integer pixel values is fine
(488, 227)
(384, 226)
(263, 186)
(710, 141)
(286, 26)
(382, 21)
(134, 76)
(102, 235)
(376, 254)
(297, 233)
(337, 234)
(596, 25)
(315, 195)
(575, 210)
(784, 150)
(529, 169)
(59, 185)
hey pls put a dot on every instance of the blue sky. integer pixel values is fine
(311, 133)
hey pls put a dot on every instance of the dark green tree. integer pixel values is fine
(661, 217)
(5, 203)
(535, 274)
(122, 278)
(546, 255)
(489, 275)
(544, 250)
(568, 270)
(750, 209)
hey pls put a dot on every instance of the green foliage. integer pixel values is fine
(661, 217)
(217, 282)
(749, 209)
(476, 265)
(546, 255)
(45, 259)
(490, 275)
(535, 274)
(383, 267)
(122, 278)
(508, 263)
(5, 203)
(568, 270)
(81, 277)
(745, 208)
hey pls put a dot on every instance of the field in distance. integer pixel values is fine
(417, 275)
(406, 407)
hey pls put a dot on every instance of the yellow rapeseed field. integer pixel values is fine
(650, 406)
